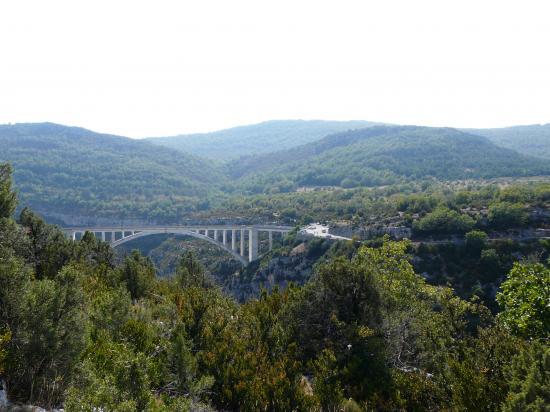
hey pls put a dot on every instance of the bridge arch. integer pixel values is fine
(185, 232)
(228, 232)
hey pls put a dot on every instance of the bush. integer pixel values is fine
(444, 221)
(504, 215)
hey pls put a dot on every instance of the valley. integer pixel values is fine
(228, 274)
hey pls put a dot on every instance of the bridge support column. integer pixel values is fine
(242, 242)
(103, 236)
(224, 237)
(270, 239)
(233, 239)
(216, 235)
(73, 235)
(252, 244)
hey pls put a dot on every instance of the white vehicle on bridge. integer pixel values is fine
(319, 230)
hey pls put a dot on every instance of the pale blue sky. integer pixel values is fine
(149, 68)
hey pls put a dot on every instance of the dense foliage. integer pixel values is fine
(422, 206)
(277, 135)
(73, 175)
(365, 333)
(533, 140)
(524, 297)
(382, 155)
(255, 139)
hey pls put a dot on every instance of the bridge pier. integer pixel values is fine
(224, 237)
(252, 244)
(233, 239)
(270, 239)
(242, 242)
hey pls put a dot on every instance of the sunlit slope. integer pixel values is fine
(384, 155)
(257, 138)
(532, 140)
(68, 171)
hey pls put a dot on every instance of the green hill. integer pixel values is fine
(258, 138)
(383, 155)
(70, 174)
(75, 176)
(533, 140)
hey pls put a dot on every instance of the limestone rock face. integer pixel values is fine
(298, 250)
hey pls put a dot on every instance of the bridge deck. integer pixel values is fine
(273, 228)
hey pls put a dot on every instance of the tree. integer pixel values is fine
(505, 215)
(326, 384)
(184, 367)
(524, 300)
(47, 338)
(5, 337)
(48, 250)
(445, 221)
(14, 281)
(8, 198)
(138, 273)
(529, 380)
(475, 242)
(190, 271)
(93, 251)
(475, 375)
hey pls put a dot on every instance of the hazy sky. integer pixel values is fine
(150, 68)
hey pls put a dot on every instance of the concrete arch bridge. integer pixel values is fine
(235, 239)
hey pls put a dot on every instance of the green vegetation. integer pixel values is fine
(256, 139)
(428, 207)
(532, 140)
(524, 297)
(383, 155)
(504, 215)
(73, 175)
(444, 220)
(366, 332)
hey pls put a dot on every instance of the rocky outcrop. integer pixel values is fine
(278, 269)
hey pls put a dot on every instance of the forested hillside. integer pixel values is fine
(383, 155)
(532, 140)
(75, 176)
(366, 332)
(258, 138)
(70, 174)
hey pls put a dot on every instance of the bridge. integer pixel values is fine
(235, 239)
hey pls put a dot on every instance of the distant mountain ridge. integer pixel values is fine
(68, 173)
(75, 176)
(277, 135)
(533, 139)
(381, 155)
(258, 138)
